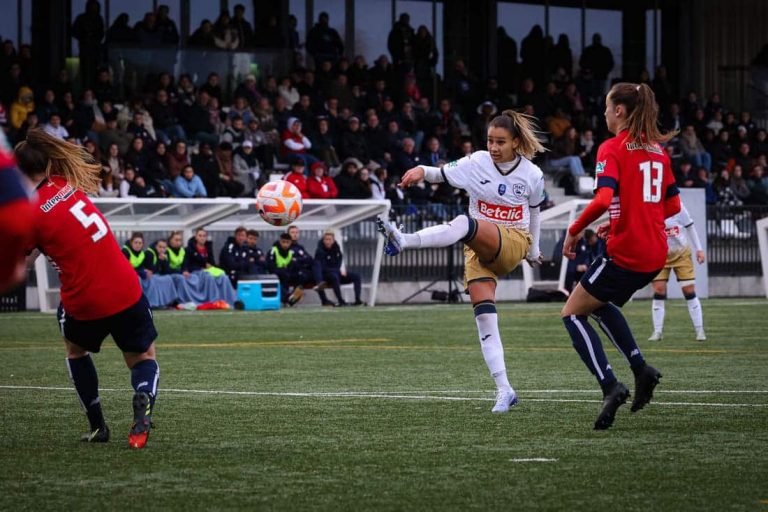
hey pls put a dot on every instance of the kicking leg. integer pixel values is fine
(462, 228)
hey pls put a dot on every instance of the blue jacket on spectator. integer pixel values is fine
(329, 260)
(189, 188)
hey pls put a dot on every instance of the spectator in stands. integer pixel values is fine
(743, 157)
(324, 42)
(140, 188)
(198, 122)
(156, 170)
(693, 148)
(324, 145)
(378, 179)
(405, 158)
(739, 184)
(462, 85)
(134, 252)
(103, 89)
(228, 186)
(532, 48)
(106, 185)
(224, 34)
(249, 90)
(760, 144)
(400, 40)
(137, 155)
(88, 29)
(236, 258)
(121, 32)
(202, 37)
(114, 163)
(166, 26)
(288, 92)
(599, 60)
(129, 175)
(566, 153)
(187, 184)
(347, 181)
(588, 150)
(212, 86)
(364, 176)
(722, 152)
(235, 133)
(304, 112)
(166, 122)
(353, 144)
(241, 109)
(295, 143)
(177, 159)
(758, 186)
(136, 129)
(54, 127)
(319, 185)
(297, 176)
(376, 139)
(434, 152)
(425, 57)
(242, 27)
(207, 167)
(246, 168)
(22, 107)
(329, 269)
(724, 188)
(485, 112)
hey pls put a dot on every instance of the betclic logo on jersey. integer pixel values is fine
(501, 212)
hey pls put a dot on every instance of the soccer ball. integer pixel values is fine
(279, 202)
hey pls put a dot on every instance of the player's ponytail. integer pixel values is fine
(642, 112)
(520, 126)
(44, 153)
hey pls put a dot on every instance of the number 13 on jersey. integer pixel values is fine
(653, 173)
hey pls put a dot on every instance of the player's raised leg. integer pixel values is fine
(460, 229)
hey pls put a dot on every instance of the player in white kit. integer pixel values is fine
(502, 228)
(679, 260)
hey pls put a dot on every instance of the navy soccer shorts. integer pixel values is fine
(132, 329)
(608, 282)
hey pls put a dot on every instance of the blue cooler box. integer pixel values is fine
(259, 295)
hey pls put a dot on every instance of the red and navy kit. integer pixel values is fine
(641, 179)
(16, 213)
(97, 280)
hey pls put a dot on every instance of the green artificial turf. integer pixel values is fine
(389, 409)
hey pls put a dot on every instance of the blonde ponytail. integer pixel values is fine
(520, 126)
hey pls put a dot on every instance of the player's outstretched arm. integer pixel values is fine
(411, 176)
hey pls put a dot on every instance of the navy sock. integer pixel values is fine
(144, 377)
(614, 325)
(86, 381)
(587, 344)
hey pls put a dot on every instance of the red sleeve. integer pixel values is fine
(607, 167)
(593, 211)
(313, 191)
(672, 206)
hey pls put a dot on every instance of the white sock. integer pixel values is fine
(694, 309)
(657, 310)
(439, 236)
(493, 351)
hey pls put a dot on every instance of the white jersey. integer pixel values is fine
(497, 196)
(675, 226)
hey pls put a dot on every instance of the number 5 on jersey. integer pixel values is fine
(652, 179)
(88, 220)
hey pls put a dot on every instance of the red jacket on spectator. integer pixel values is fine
(298, 179)
(292, 140)
(321, 187)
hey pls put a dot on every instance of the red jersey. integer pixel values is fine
(97, 280)
(15, 220)
(641, 178)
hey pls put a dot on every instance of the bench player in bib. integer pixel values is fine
(635, 184)
(502, 228)
(100, 291)
(679, 260)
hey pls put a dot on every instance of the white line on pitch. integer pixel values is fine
(534, 459)
(347, 394)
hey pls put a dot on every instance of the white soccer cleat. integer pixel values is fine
(700, 336)
(656, 336)
(395, 241)
(505, 398)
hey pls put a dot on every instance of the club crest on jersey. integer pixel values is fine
(518, 190)
(502, 189)
(600, 167)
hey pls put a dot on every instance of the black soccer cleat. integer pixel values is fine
(142, 421)
(100, 435)
(645, 382)
(612, 400)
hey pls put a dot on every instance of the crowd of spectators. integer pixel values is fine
(349, 129)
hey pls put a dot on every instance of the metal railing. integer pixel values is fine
(732, 239)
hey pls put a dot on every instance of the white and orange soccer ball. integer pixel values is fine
(279, 202)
